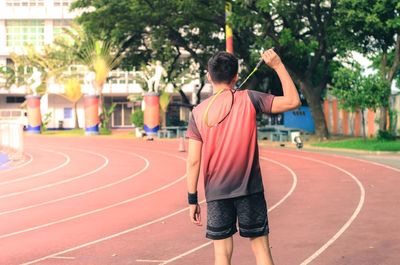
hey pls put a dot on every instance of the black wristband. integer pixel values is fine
(192, 198)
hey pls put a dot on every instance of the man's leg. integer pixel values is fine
(221, 226)
(253, 223)
(261, 250)
(223, 251)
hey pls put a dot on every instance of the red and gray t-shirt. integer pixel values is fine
(230, 162)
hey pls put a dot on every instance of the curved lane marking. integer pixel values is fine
(99, 209)
(147, 163)
(369, 162)
(106, 162)
(66, 162)
(352, 217)
(18, 166)
(150, 223)
(294, 184)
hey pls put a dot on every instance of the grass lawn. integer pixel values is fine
(81, 132)
(360, 144)
(74, 132)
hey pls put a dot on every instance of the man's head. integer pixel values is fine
(223, 68)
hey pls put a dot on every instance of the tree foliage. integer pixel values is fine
(7, 76)
(373, 27)
(355, 91)
(308, 35)
(99, 56)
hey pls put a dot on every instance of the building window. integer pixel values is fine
(62, 2)
(67, 113)
(25, 2)
(12, 100)
(59, 25)
(22, 32)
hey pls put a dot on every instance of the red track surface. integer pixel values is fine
(121, 201)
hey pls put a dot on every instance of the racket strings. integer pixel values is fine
(219, 107)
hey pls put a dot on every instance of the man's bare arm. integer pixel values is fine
(192, 175)
(193, 164)
(290, 99)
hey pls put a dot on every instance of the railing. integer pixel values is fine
(11, 139)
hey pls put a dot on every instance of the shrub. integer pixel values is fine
(137, 118)
(386, 136)
(104, 131)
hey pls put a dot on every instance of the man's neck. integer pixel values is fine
(218, 87)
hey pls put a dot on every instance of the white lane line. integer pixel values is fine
(62, 257)
(187, 253)
(294, 184)
(21, 165)
(106, 162)
(147, 163)
(352, 158)
(150, 260)
(370, 162)
(294, 176)
(110, 236)
(122, 232)
(98, 209)
(66, 162)
(352, 217)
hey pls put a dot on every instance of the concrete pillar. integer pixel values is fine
(48, 31)
(3, 37)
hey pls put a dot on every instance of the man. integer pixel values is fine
(228, 154)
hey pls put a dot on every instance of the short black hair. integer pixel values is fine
(223, 67)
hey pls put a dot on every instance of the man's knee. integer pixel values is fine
(223, 248)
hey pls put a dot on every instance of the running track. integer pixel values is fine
(95, 200)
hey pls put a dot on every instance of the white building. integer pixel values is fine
(38, 22)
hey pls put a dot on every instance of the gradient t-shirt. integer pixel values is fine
(230, 161)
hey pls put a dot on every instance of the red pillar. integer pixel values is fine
(228, 29)
(34, 115)
(345, 121)
(371, 123)
(151, 113)
(334, 116)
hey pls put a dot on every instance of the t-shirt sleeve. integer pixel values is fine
(192, 130)
(262, 102)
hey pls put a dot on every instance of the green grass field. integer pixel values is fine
(360, 144)
(74, 132)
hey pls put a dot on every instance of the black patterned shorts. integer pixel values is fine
(250, 212)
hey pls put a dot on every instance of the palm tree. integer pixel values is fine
(99, 56)
(7, 77)
(164, 102)
(73, 92)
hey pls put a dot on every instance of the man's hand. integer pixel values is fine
(271, 58)
(195, 214)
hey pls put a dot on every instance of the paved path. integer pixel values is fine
(99, 200)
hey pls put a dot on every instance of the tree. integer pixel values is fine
(305, 32)
(164, 102)
(159, 30)
(374, 28)
(49, 61)
(100, 56)
(357, 92)
(73, 92)
(7, 77)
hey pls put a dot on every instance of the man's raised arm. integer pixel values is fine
(290, 99)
